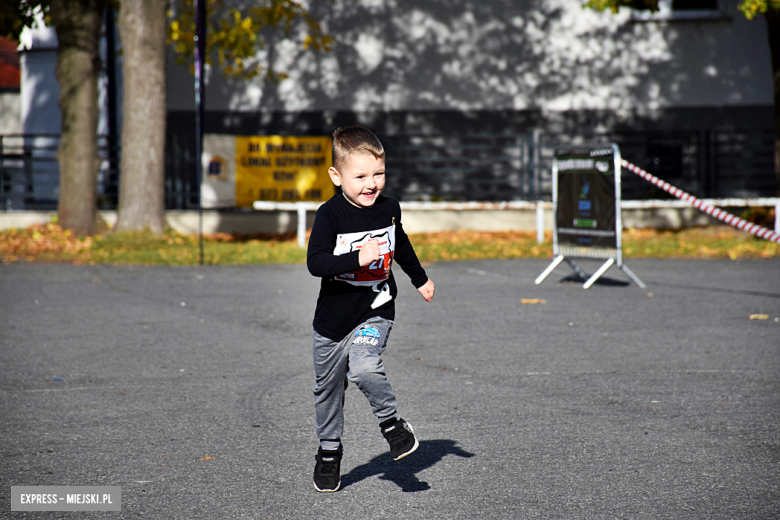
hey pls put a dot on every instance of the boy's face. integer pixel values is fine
(362, 179)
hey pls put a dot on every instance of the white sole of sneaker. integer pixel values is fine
(329, 490)
(416, 445)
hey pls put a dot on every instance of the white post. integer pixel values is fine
(301, 224)
(539, 223)
(777, 217)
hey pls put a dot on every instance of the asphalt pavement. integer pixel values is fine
(190, 387)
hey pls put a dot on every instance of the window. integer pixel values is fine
(694, 5)
(685, 10)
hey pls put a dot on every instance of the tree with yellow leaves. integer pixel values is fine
(234, 35)
(145, 29)
(237, 36)
(78, 26)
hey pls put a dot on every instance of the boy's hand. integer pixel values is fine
(427, 290)
(369, 252)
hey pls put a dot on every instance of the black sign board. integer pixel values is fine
(586, 209)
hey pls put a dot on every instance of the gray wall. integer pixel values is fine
(546, 55)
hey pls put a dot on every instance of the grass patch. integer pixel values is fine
(177, 249)
(704, 242)
(475, 245)
(50, 243)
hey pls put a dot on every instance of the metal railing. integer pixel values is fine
(461, 167)
(30, 174)
(715, 163)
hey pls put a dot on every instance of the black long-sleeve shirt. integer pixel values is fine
(348, 290)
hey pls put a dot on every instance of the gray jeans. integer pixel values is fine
(356, 358)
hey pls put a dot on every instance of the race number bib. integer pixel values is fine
(379, 270)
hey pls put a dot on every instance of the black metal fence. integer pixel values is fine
(453, 167)
(491, 167)
(723, 162)
(181, 180)
(30, 178)
(485, 167)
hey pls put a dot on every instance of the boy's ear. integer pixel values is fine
(334, 176)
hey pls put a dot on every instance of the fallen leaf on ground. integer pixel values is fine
(759, 316)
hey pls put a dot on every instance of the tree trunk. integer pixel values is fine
(78, 24)
(142, 30)
(772, 17)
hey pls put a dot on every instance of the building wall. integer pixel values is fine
(10, 113)
(550, 56)
(540, 67)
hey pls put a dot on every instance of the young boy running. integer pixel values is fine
(357, 235)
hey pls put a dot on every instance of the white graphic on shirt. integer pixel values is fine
(379, 270)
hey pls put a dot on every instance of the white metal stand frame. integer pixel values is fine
(612, 257)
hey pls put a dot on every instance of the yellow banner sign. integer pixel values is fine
(282, 169)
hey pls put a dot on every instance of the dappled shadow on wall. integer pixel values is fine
(470, 55)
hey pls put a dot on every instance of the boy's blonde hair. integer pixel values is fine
(354, 139)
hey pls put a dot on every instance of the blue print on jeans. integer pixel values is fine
(370, 332)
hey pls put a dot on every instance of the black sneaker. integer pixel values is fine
(400, 437)
(327, 471)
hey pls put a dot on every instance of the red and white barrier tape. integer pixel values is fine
(699, 204)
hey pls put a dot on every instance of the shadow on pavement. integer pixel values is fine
(403, 472)
(603, 281)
